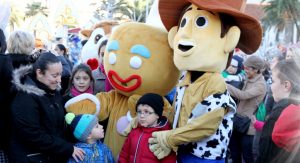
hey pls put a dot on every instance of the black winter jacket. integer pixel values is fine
(5, 98)
(269, 152)
(38, 120)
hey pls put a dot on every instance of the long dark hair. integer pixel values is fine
(3, 45)
(81, 67)
(63, 48)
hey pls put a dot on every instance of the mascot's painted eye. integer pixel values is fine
(112, 58)
(135, 62)
(201, 22)
(97, 38)
(183, 22)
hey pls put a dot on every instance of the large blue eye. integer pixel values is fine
(183, 22)
(201, 22)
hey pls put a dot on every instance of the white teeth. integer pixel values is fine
(186, 43)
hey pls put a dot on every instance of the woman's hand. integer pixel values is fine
(78, 154)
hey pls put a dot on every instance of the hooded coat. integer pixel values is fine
(38, 121)
(136, 146)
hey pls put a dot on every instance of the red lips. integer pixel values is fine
(114, 74)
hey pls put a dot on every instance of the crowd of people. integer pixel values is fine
(37, 84)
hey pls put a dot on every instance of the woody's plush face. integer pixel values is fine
(197, 41)
(139, 60)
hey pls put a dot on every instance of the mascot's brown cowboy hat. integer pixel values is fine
(251, 31)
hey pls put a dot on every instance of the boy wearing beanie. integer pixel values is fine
(149, 115)
(87, 130)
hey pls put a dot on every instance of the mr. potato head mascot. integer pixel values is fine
(137, 60)
(203, 34)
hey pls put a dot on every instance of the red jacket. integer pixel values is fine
(136, 147)
(286, 132)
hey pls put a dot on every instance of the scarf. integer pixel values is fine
(75, 92)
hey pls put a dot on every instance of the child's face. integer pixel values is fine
(81, 81)
(101, 54)
(250, 72)
(146, 116)
(279, 88)
(97, 132)
(289, 55)
(231, 70)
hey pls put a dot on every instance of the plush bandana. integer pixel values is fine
(75, 92)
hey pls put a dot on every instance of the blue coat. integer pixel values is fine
(95, 153)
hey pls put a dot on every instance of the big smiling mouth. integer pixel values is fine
(185, 45)
(184, 48)
(123, 84)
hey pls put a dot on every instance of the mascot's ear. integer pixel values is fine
(232, 39)
(171, 35)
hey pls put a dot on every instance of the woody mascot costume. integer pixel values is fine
(203, 35)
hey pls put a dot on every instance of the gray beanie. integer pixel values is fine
(255, 62)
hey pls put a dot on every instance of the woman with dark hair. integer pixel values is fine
(38, 114)
(62, 51)
(5, 97)
(67, 66)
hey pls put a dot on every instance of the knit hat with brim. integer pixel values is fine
(251, 31)
(255, 62)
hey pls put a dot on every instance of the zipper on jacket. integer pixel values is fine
(137, 146)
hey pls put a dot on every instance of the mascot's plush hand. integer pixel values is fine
(126, 123)
(159, 144)
(133, 124)
(83, 104)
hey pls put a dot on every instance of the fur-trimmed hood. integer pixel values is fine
(23, 82)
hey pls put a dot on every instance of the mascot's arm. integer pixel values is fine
(106, 103)
(199, 128)
(168, 110)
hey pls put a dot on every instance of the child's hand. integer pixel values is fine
(78, 154)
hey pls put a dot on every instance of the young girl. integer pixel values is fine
(81, 81)
(286, 91)
(136, 147)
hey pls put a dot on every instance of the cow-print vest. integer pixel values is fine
(215, 146)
